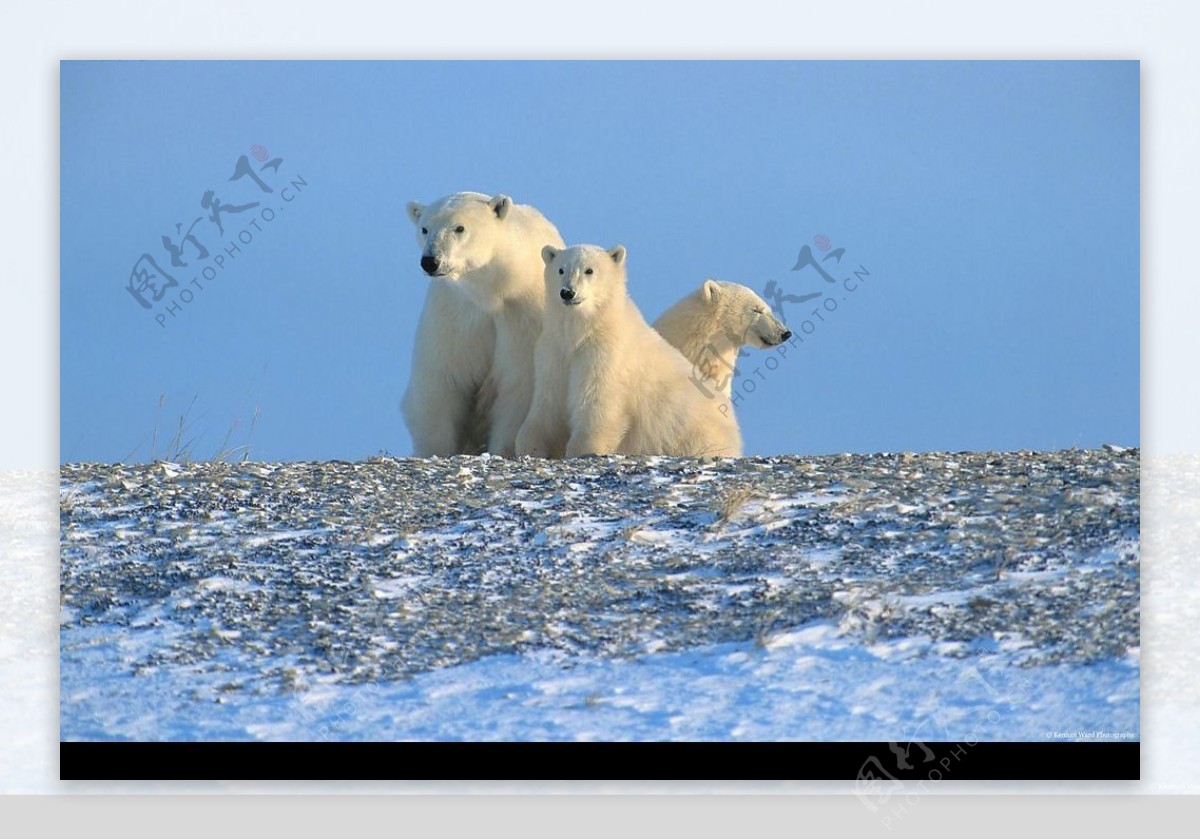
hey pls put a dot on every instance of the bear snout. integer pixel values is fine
(567, 294)
(430, 265)
(774, 339)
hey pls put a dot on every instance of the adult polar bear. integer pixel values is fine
(472, 367)
(605, 380)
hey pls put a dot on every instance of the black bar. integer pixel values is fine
(245, 760)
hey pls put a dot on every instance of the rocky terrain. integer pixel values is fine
(236, 583)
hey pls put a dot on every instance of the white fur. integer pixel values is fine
(472, 369)
(605, 381)
(710, 326)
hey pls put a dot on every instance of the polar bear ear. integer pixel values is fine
(548, 254)
(500, 205)
(712, 291)
(618, 254)
(414, 211)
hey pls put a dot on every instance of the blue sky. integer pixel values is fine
(995, 206)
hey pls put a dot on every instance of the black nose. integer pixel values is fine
(786, 335)
(429, 264)
(566, 294)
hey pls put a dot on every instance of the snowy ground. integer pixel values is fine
(986, 596)
(28, 642)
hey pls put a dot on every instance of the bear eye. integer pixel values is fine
(459, 229)
(560, 271)
(587, 271)
(425, 231)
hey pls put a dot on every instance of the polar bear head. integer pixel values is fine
(459, 234)
(583, 278)
(742, 315)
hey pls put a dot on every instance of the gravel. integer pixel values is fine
(389, 568)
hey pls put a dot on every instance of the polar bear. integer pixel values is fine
(472, 366)
(710, 326)
(605, 381)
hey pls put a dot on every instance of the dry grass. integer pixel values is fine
(181, 445)
(733, 501)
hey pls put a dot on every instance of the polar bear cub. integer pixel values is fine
(472, 367)
(710, 326)
(605, 381)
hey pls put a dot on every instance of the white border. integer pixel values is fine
(36, 36)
